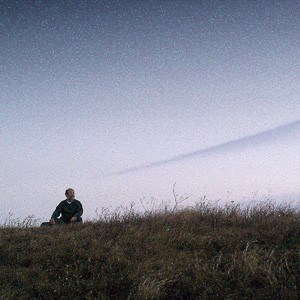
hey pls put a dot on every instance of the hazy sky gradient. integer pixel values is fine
(91, 88)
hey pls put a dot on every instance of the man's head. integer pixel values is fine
(70, 194)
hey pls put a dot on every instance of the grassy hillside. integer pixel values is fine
(204, 252)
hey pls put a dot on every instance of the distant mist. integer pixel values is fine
(248, 141)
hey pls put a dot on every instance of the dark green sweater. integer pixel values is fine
(68, 210)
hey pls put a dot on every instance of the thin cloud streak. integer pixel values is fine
(241, 143)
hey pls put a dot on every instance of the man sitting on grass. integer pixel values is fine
(69, 210)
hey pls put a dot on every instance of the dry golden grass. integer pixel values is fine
(204, 252)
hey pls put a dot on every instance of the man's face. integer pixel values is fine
(70, 195)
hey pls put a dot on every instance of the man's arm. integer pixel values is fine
(79, 213)
(57, 212)
(80, 210)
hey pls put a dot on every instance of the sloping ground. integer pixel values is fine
(199, 253)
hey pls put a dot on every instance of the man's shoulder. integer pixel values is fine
(77, 201)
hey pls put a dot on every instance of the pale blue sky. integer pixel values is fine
(93, 88)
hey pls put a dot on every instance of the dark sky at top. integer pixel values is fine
(43, 37)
